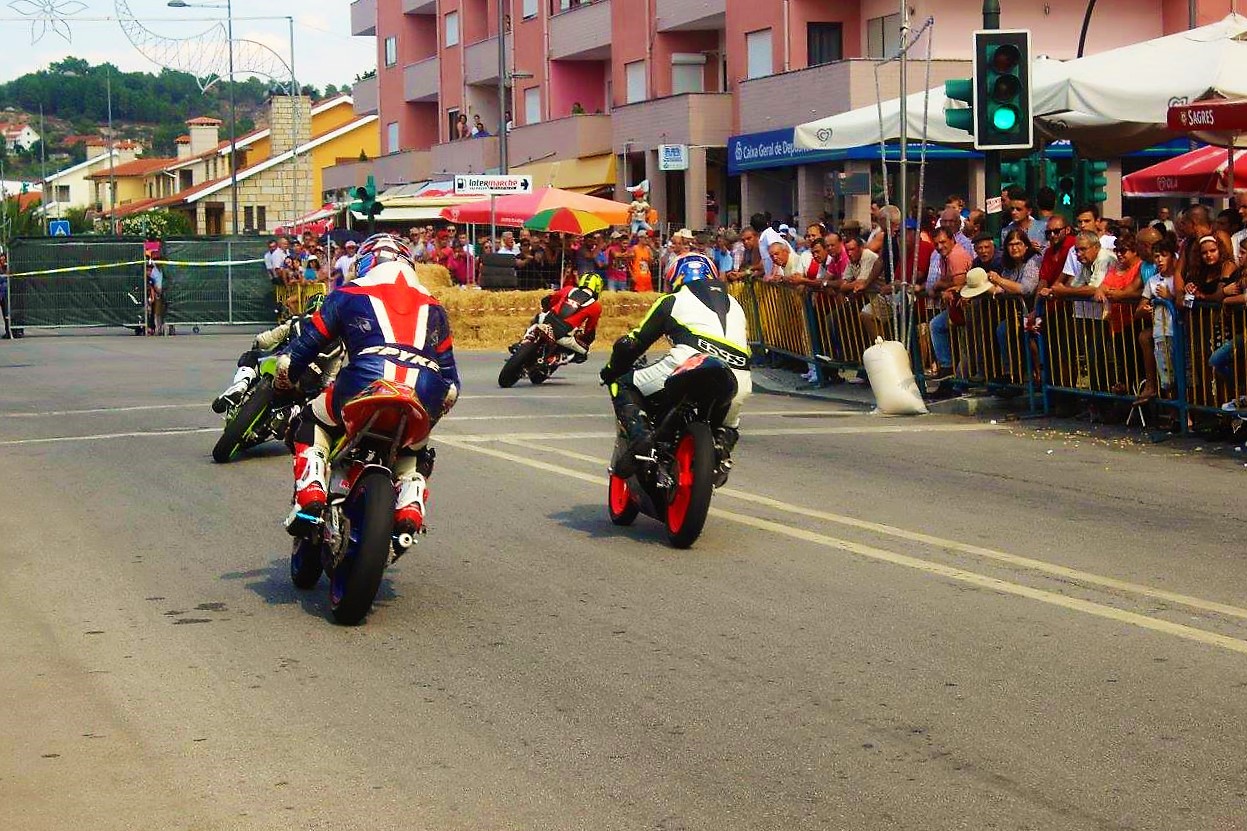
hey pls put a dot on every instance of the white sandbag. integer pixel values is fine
(892, 380)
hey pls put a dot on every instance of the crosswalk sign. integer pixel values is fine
(58, 228)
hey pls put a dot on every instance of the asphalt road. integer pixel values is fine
(928, 623)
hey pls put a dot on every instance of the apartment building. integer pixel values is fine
(698, 96)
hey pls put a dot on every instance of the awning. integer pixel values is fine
(1202, 172)
(409, 213)
(581, 175)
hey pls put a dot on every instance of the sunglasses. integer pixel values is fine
(1052, 232)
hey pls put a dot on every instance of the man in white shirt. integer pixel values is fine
(766, 237)
(275, 257)
(508, 245)
(343, 264)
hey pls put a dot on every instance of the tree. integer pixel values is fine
(159, 223)
(331, 90)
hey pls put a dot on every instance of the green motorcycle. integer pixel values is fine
(262, 413)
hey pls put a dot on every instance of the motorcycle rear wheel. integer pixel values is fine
(253, 410)
(516, 364)
(693, 472)
(305, 563)
(620, 502)
(355, 581)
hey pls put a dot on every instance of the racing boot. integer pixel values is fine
(636, 427)
(233, 393)
(411, 495)
(309, 490)
(725, 439)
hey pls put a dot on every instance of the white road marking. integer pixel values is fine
(201, 405)
(530, 416)
(939, 542)
(100, 436)
(951, 572)
(779, 431)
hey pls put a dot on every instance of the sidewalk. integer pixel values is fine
(774, 381)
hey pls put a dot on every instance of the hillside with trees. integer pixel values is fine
(149, 107)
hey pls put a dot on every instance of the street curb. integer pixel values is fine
(767, 388)
(970, 406)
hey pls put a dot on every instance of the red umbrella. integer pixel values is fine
(1201, 172)
(514, 211)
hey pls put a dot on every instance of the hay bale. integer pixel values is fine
(433, 276)
(494, 319)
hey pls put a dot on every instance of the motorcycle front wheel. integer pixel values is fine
(620, 502)
(247, 418)
(305, 563)
(355, 581)
(693, 472)
(516, 364)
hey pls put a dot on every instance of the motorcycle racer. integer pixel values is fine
(391, 328)
(326, 364)
(579, 308)
(698, 317)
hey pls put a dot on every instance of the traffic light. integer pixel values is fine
(1093, 180)
(1002, 90)
(1066, 197)
(366, 203)
(960, 89)
(1017, 173)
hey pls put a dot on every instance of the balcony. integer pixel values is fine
(364, 17)
(480, 60)
(690, 15)
(421, 80)
(364, 96)
(388, 171)
(582, 32)
(694, 118)
(790, 98)
(573, 137)
(465, 156)
(419, 6)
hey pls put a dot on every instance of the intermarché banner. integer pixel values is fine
(99, 281)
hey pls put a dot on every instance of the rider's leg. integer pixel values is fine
(411, 486)
(311, 454)
(243, 377)
(630, 410)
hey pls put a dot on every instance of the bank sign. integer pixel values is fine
(773, 148)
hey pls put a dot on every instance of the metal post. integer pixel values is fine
(991, 158)
(296, 100)
(493, 223)
(903, 179)
(233, 116)
(112, 158)
(229, 280)
(502, 89)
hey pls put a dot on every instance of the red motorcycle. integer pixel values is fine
(538, 354)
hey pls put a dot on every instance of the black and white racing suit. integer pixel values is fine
(327, 363)
(699, 318)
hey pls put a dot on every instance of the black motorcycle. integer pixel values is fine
(690, 457)
(538, 354)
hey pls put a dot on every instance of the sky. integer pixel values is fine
(325, 52)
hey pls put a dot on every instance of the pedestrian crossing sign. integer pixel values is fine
(58, 228)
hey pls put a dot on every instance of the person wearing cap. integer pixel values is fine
(342, 265)
(612, 260)
(313, 271)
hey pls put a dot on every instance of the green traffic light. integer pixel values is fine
(1005, 119)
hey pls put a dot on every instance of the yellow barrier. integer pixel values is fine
(292, 299)
(1093, 347)
(781, 309)
(1215, 358)
(991, 346)
(742, 290)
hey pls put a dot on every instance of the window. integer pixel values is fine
(391, 50)
(825, 42)
(532, 105)
(688, 72)
(883, 36)
(391, 137)
(634, 75)
(530, 9)
(452, 124)
(452, 29)
(62, 193)
(758, 48)
(186, 179)
(248, 218)
(261, 219)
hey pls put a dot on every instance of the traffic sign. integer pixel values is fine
(469, 185)
(59, 228)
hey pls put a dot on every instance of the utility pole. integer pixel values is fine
(502, 88)
(991, 158)
(233, 119)
(898, 265)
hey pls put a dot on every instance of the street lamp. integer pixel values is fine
(233, 110)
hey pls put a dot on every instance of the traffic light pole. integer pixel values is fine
(991, 158)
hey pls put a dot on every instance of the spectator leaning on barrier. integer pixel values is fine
(1230, 353)
(766, 236)
(1020, 208)
(1120, 291)
(1156, 339)
(951, 262)
(951, 223)
(986, 255)
(1094, 261)
(837, 258)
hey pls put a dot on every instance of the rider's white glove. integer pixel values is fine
(452, 395)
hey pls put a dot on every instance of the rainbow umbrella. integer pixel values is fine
(567, 221)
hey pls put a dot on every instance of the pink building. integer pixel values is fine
(596, 87)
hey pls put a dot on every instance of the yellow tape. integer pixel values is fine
(182, 263)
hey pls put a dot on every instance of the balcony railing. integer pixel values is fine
(421, 80)
(419, 6)
(580, 31)
(563, 138)
(465, 156)
(365, 96)
(788, 98)
(480, 60)
(364, 17)
(678, 15)
(693, 118)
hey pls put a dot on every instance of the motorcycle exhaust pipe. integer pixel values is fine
(405, 540)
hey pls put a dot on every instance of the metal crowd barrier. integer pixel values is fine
(1214, 359)
(292, 299)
